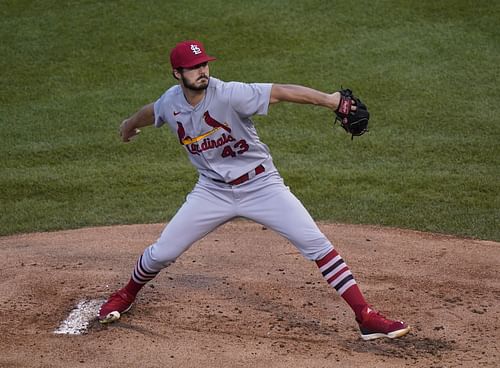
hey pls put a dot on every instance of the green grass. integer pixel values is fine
(429, 72)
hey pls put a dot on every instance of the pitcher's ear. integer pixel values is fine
(176, 73)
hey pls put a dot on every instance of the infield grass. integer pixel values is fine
(428, 71)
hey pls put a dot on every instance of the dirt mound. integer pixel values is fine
(244, 297)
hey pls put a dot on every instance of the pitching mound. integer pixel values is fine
(244, 297)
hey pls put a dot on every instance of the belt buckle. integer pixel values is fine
(249, 175)
(252, 174)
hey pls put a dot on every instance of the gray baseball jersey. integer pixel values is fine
(218, 133)
(223, 145)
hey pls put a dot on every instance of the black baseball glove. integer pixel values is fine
(354, 122)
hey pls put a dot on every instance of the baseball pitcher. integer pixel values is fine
(237, 178)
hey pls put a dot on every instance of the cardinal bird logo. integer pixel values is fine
(186, 140)
(214, 123)
(181, 133)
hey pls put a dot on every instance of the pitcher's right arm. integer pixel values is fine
(129, 128)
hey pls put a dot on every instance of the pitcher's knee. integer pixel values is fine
(322, 254)
(315, 250)
(157, 258)
(316, 254)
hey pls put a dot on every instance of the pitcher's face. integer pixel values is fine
(196, 78)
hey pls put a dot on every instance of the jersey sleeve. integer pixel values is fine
(249, 99)
(159, 109)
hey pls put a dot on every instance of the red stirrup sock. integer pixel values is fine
(339, 276)
(139, 278)
(133, 287)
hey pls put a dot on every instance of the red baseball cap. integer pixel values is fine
(187, 54)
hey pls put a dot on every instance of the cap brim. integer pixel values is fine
(199, 61)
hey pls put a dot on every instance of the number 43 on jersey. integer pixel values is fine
(238, 148)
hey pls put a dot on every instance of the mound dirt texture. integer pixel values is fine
(244, 297)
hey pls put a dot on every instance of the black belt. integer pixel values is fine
(245, 177)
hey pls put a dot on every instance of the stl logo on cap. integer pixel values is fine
(189, 53)
(196, 49)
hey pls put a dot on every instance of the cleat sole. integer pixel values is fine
(390, 335)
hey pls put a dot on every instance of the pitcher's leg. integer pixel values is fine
(281, 211)
(372, 324)
(196, 218)
(202, 212)
(278, 209)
